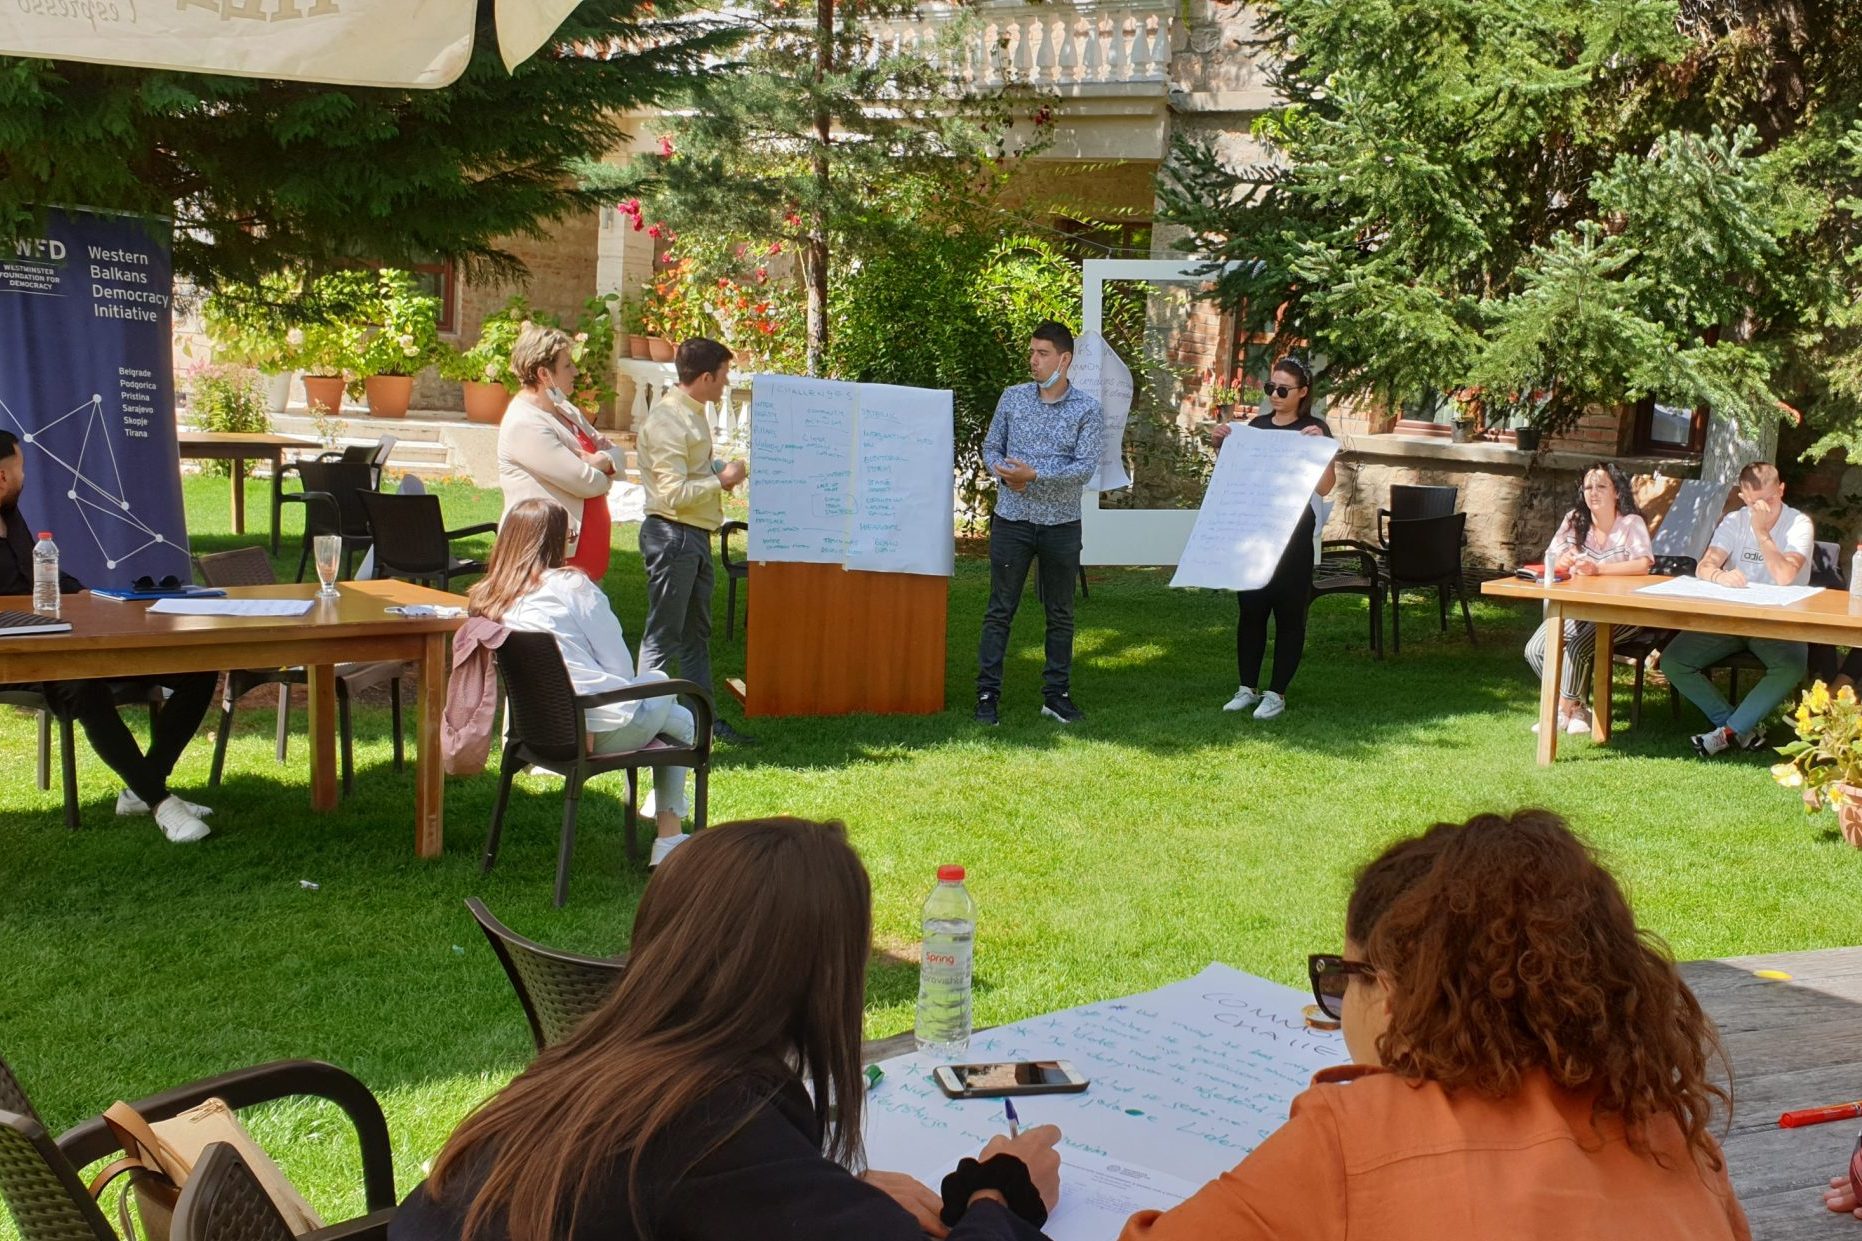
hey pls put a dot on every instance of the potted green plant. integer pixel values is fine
(1222, 396)
(484, 371)
(671, 313)
(399, 335)
(633, 329)
(1466, 417)
(594, 353)
(1825, 760)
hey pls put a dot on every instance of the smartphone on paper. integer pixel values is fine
(993, 1081)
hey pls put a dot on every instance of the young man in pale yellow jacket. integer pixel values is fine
(685, 486)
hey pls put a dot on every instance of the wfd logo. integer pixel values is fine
(40, 249)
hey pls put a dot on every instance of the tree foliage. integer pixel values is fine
(1560, 203)
(267, 175)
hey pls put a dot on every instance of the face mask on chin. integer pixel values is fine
(1050, 381)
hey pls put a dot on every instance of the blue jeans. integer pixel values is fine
(1690, 652)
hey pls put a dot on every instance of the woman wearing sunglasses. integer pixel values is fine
(1288, 593)
(1528, 1065)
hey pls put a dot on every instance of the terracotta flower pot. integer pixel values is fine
(389, 395)
(660, 349)
(1849, 813)
(324, 390)
(485, 402)
(637, 348)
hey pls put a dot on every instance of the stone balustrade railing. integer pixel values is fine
(1043, 46)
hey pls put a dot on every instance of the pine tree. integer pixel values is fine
(1561, 203)
(262, 176)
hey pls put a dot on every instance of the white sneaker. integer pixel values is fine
(1243, 699)
(178, 823)
(663, 845)
(1578, 725)
(128, 805)
(1272, 706)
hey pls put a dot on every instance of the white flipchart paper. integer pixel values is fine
(1762, 594)
(1184, 1082)
(1099, 372)
(859, 475)
(1262, 484)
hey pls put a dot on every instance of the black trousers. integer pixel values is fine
(1013, 546)
(93, 706)
(1286, 597)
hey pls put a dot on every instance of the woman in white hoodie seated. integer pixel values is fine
(528, 587)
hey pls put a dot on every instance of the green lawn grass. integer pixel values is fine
(1121, 854)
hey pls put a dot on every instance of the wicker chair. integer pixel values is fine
(332, 505)
(1349, 567)
(557, 989)
(32, 698)
(412, 541)
(223, 1201)
(39, 1177)
(1425, 552)
(250, 566)
(548, 731)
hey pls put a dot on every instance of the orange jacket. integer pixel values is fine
(1367, 1155)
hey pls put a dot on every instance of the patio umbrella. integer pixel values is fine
(403, 43)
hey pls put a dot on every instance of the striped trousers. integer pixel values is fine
(1580, 654)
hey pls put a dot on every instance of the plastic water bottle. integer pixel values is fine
(1855, 573)
(45, 575)
(943, 1027)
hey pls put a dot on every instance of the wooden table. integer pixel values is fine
(1830, 616)
(1792, 1044)
(110, 639)
(240, 448)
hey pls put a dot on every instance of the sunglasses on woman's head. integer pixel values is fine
(1330, 975)
(1279, 389)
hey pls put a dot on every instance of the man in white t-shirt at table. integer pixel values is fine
(1766, 542)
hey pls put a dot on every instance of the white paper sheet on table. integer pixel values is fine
(1185, 1081)
(1760, 594)
(233, 607)
(1102, 374)
(1262, 484)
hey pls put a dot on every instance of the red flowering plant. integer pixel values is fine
(743, 292)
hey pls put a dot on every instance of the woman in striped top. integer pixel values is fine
(1604, 535)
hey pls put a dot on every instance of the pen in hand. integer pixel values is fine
(1015, 1122)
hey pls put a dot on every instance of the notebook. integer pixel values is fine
(27, 624)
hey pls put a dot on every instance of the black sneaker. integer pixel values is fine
(1060, 708)
(720, 731)
(986, 712)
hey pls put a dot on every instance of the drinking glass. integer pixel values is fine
(329, 549)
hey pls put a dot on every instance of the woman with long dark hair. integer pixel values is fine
(717, 1093)
(1288, 594)
(1529, 1065)
(1603, 535)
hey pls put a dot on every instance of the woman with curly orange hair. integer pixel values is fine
(1529, 1065)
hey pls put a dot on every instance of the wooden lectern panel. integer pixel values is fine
(821, 640)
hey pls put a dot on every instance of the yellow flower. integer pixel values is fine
(1846, 695)
(1819, 697)
(1803, 715)
(1787, 774)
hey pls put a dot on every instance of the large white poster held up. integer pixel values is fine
(1102, 374)
(1263, 482)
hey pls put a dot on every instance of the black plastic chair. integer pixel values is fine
(557, 989)
(1348, 567)
(32, 697)
(375, 456)
(548, 730)
(250, 566)
(39, 1176)
(412, 541)
(332, 505)
(734, 571)
(1408, 500)
(1425, 552)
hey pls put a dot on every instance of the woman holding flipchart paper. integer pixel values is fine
(1288, 593)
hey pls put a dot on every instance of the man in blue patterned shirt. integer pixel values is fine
(1043, 445)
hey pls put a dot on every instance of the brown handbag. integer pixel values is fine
(158, 1159)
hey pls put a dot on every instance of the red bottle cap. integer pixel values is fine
(950, 874)
(45, 534)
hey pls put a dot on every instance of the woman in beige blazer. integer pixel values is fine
(548, 450)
